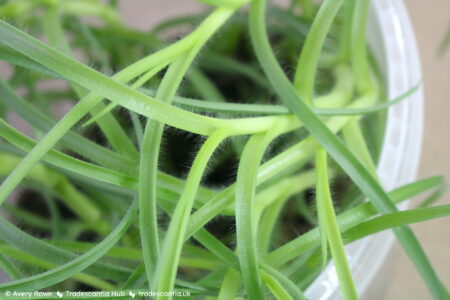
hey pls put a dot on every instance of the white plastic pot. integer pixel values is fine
(392, 41)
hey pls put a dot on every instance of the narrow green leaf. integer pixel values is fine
(80, 263)
(102, 112)
(327, 219)
(275, 287)
(109, 125)
(336, 148)
(232, 4)
(73, 141)
(298, 154)
(127, 97)
(24, 257)
(9, 268)
(148, 170)
(287, 284)
(347, 220)
(94, 172)
(245, 224)
(309, 57)
(36, 247)
(164, 277)
(230, 285)
(396, 219)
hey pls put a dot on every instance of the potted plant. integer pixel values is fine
(193, 163)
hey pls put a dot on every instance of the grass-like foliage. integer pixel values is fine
(226, 154)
